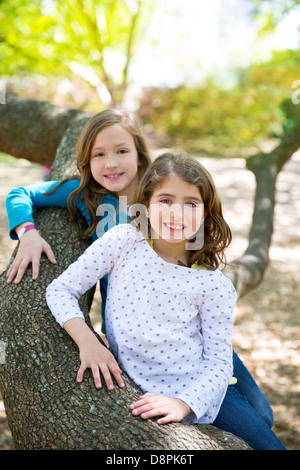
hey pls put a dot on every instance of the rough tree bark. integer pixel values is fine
(46, 408)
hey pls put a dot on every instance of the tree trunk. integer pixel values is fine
(266, 168)
(46, 408)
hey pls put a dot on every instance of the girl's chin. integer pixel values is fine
(173, 238)
(114, 185)
(112, 180)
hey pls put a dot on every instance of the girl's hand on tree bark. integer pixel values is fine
(99, 359)
(32, 245)
(152, 404)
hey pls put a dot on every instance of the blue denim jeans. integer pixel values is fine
(246, 413)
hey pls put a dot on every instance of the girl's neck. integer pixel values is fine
(129, 191)
(171, 252)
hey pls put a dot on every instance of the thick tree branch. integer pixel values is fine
(266, 168)
(33, 129)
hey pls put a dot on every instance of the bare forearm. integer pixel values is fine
(93, 354)
(79, 331)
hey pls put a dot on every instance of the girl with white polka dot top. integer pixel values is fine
(169, 307)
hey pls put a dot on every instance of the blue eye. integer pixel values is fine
(191, 204)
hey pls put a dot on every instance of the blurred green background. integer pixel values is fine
(215, 76)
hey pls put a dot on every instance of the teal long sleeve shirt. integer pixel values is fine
(21, 202)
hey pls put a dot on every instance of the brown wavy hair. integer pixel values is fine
(92, 192)
(217, 233)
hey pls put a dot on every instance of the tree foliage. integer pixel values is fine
(90, 39)
(258, 108)
(269, 13)
(89, 45)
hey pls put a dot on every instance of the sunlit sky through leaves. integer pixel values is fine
(187, 40)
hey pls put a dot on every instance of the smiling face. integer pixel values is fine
(114, 161)
(175, 210)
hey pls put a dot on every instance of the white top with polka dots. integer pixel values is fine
(168, 326)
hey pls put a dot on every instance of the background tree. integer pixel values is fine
(88, 39)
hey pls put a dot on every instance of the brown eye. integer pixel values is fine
(99, 154)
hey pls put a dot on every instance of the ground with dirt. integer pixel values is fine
(266, 332)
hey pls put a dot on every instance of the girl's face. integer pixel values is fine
(114, 161)
(175, 210)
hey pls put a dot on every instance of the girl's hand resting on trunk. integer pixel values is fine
(32, 245)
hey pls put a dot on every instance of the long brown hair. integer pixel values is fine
(217, 233)
(92, 192)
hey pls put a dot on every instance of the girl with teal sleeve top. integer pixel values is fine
(112, 157)
(21, 203)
